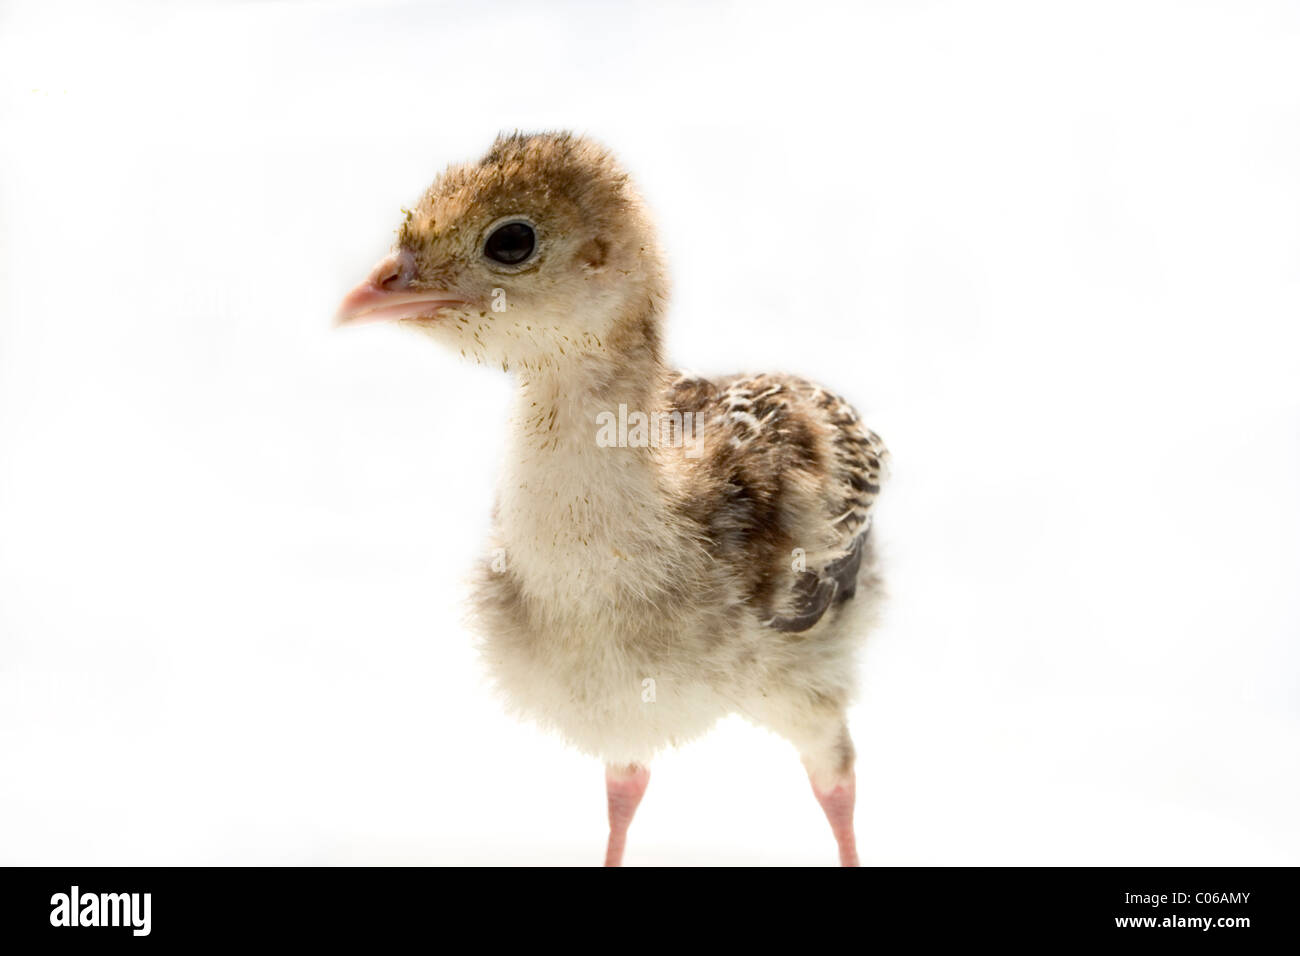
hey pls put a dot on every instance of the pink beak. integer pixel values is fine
(387, 294)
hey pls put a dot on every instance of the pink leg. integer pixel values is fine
(625, 787)
(837, 800)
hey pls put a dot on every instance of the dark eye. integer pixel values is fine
(511, 244)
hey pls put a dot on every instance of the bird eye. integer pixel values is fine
(511, 244)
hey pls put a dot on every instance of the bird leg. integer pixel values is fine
(836, 795)
(625, 785)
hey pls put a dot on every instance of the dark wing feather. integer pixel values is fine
(815, 591)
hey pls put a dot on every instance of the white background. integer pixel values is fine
(1050, 251)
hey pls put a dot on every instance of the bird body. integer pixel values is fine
(717, 560)
(630, 565)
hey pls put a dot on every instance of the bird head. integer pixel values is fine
(537, 255)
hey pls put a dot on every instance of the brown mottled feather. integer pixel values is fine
(772, 438)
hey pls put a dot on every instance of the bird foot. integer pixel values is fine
(837, 800)
(625, 786)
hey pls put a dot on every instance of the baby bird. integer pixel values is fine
(666, 549)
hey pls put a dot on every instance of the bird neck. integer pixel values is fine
(559, 405)
(563, 413)
(578, 498)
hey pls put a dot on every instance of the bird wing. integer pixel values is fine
(853, 477)
(787, 485)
